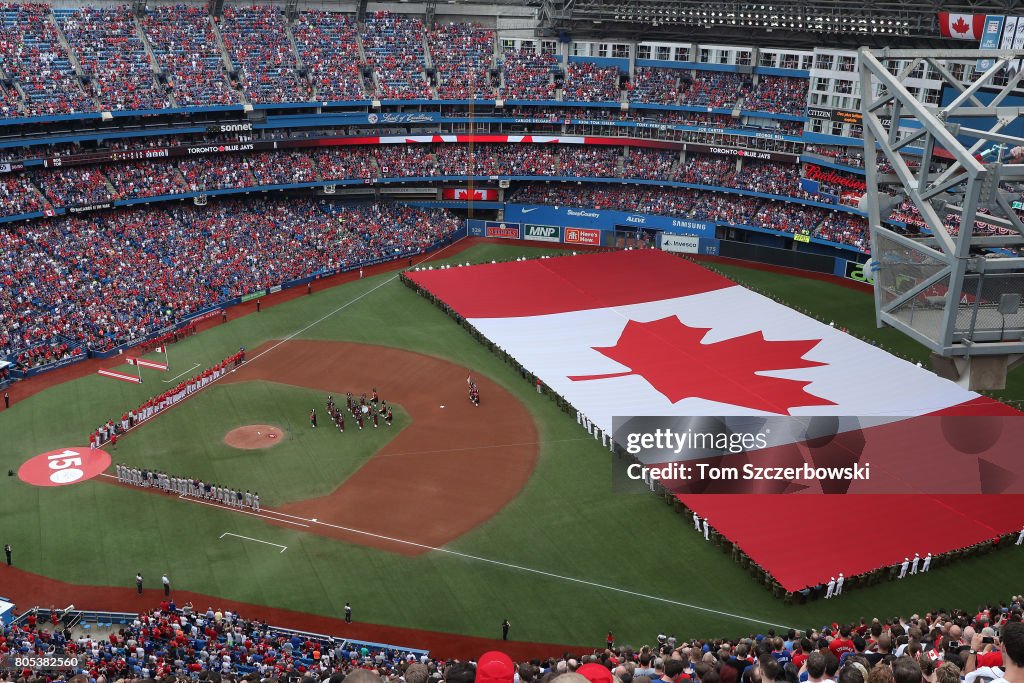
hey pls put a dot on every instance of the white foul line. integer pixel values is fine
(168, 381)
(531, 570)
(276, 545)
(343, 306)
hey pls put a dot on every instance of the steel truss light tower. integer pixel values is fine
(956, 286)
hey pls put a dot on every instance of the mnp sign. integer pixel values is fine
(542, 233)
(508, 231)
(680, 244)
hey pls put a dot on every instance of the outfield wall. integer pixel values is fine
(602, 228)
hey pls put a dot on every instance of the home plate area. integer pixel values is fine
(690, 342)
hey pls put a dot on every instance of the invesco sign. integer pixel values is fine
(542, 233)
(64, 467)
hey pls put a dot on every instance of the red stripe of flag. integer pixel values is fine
(142, 362)
(120, 375)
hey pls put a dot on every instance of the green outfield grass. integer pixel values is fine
(627, 563)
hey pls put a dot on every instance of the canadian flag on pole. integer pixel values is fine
(159, 349)
(961, 26)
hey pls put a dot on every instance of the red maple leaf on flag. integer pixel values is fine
(673, 359)
(960, 26)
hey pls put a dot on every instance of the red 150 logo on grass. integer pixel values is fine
(63, 467)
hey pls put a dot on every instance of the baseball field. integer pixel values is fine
(450, 520)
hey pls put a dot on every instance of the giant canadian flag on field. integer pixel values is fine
(645, 333)
(961, 26)
(648, 333)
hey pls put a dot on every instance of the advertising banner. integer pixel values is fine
(603, 219)
(990, 39)
(680, 244)
(476, 195)
(542, 233)
(507, 231)
(582, 236)
(860, 272)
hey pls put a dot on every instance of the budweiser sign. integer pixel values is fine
(830, 177)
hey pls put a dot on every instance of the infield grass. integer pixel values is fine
(566, 523)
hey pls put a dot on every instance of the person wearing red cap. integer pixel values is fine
(595, 673)
(495, 667)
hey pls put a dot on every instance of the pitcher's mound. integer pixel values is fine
(254, 436)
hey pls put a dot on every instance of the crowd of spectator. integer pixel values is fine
(588, 82)
(393, 44)
(328, 46)
(144, 179)
(649, 164)
(527, 75)
(462, 54)
(186, 49)
(19, 196)
(251, 170)
(715, 89)
(75, 186)
(654, 85)
(32, 55)
(179, 643)
(84, 185)
(258, 45)
(778, 95)
(103, 279)
(325, 63)
(112, 54)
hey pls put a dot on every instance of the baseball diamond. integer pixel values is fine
(511, 342)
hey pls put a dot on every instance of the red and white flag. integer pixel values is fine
(961, 26)
(114, 374)
(647, 333)
(159, 349)
(143, 363)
